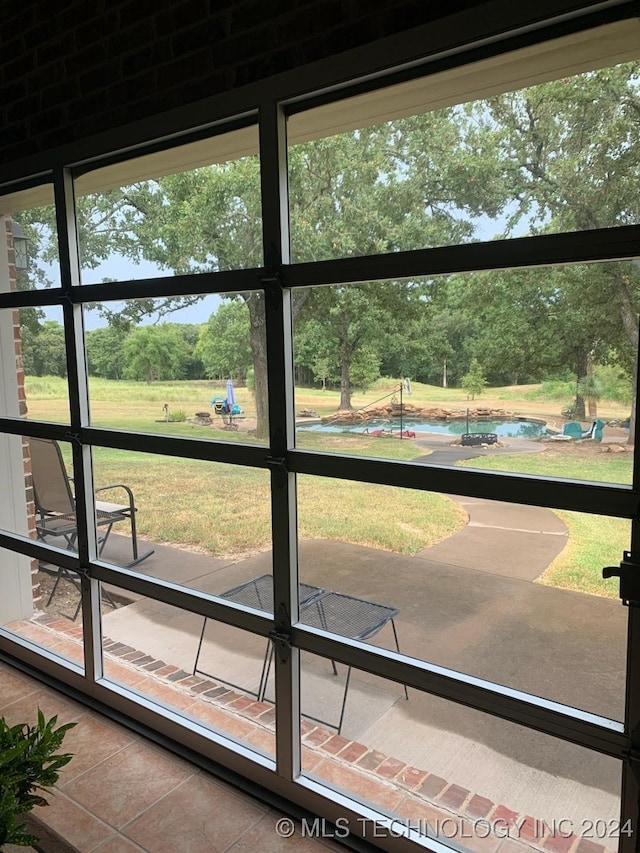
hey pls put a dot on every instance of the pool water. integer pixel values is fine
(504, 429)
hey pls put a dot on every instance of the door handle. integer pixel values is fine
(629, 573)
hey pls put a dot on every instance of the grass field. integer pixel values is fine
(225, 509)
(48, 396)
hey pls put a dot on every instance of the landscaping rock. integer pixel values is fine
(392, 410)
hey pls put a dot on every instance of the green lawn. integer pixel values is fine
(50, 394)
(225, 509)
(597, 467)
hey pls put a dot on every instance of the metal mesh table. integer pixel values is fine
(348, 616)
(257, 593)
(345, 615)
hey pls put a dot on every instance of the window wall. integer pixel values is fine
(318, 430)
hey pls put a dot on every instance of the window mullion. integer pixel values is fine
(275, 220)
(630, 794)
(79, 410)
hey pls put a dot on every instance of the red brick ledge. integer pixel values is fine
(417, 795)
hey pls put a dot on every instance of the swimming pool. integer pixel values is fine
(503, 429)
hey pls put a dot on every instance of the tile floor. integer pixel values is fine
(122, 793)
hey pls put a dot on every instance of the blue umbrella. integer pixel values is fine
(231, 397)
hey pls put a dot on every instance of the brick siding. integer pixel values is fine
(22, 402)
(78, 68)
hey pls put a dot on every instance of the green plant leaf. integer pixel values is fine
(28, 764)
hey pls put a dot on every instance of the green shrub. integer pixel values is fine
(474, 381)
(177, 416)
(615, 383)
(553, 389)
(28, 764)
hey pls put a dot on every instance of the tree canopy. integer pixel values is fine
(556, 157)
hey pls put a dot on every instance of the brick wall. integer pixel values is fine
(22, 401)
(77, 68)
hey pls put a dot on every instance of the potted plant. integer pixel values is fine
(28, 764)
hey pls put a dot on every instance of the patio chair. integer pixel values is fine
(56, 507)
(573, 429)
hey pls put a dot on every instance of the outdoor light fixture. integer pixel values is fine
(20, 246)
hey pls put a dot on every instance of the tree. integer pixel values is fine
(591, 389)
(204, 220)
(385, 188)
(224, 342)
(572, 155)
(474, 381)
(105, 351)
(350, 327)
(43, 349)
(312, 352)
(191, 365)
(555, 157)
(154, 352)
(348, 195)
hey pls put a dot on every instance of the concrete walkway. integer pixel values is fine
(512, 540)
(467, 603)
(442, 452)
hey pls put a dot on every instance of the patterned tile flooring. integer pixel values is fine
(122, 793)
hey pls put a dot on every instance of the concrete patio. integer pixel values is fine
(468, 603)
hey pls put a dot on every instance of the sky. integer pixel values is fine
(123, 269)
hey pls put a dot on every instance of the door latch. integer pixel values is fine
(281, 643)
(280, 636)
(629, 573)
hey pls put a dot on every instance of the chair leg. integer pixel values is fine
(55, 587)
(134, 536)
(266, 669)
(137, 557)
(104, 593)
(104, 539)
(63, 574)
(344, 700)
(107, 595)
(75, 615)
(195, 663)
(395, 636)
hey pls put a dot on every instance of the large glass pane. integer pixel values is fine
(463, 156)
(529, 371)
(450, 772)
(195, 208)
(512, 594)
(29, 241)
(35, 608)
(34, 364)
(206, 671)
(199, 372)
(207, 524)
